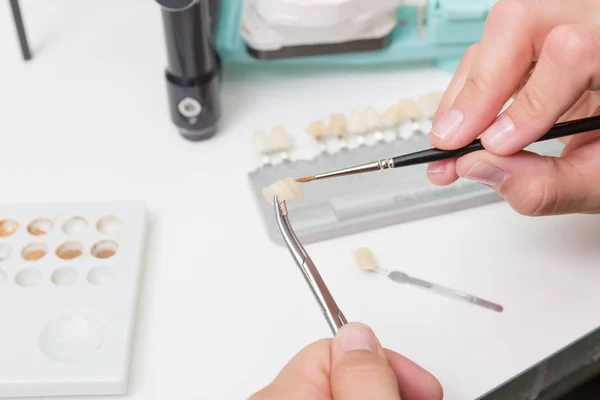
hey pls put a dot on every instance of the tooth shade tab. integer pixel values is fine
(317, 130)
(364, 258)
(285, 189)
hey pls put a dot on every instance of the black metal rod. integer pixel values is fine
(16, 10)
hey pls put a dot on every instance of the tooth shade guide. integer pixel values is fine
(317, 130)
(364, 259)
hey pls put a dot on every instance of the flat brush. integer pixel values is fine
(430, 155)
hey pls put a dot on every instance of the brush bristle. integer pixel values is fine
(305, 179)
(364, 258)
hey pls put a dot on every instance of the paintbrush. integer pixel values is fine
(430, 155)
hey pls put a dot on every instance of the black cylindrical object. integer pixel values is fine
(20, 26)
(193, 69)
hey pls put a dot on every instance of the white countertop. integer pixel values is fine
(221, 307)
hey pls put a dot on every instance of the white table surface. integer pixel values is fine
(221, 307)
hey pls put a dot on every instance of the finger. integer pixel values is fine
(504, 56)
(536, 185)
(414, 382)
(585, 106)
(578, 143)
(359, 367)
(304, 376)
(457, 81)
(567, 67)
(442, 172)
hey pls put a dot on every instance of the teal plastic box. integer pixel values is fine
(451, 26)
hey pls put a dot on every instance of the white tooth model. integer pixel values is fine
(357, 126)
(371, 118)
(391, 119)
(280, 142)
(318, 131)
(338, 126)
(260, 143)
(285, 189)
(410, 114)
(428, 105)
(270, 25)
(268, 146)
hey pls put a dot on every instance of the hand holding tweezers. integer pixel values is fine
(334, 316)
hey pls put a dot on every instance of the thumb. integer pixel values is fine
(359, 367)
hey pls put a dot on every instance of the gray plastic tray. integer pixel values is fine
(347, 205)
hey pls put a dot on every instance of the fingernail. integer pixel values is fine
(354, 336)
(486, 173)
(448, 124)
(436, 168)
(497, 133)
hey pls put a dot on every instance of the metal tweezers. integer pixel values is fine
(334, 316)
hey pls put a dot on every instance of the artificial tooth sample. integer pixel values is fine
(280, 142)
(357, 126)
(318, 131)
(410, 112)
(391, 119)
(371, 117)
(337, 127)
(260, 143)
(285, 189)
(364, 259)
(428, 105)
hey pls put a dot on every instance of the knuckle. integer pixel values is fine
(359, 367)
(476, 86)
(471, 52)
(532, 102)
(511, 11)
(571, 46)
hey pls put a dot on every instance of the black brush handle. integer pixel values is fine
(559, 130)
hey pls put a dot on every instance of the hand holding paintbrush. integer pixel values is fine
(433, 155)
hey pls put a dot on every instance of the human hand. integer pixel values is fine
(351, 366)
(563, 38)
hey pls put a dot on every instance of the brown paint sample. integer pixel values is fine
(104, 249)
(34, 251)
(69, 250)
(105, 253)
(8, 227)
(34, 255)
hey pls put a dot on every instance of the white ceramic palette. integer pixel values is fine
(68, 291)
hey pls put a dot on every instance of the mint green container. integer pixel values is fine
(451, 27)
